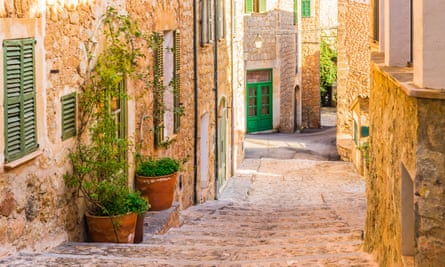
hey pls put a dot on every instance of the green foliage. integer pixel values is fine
(99, 158)
(159, 167)
(328, 65)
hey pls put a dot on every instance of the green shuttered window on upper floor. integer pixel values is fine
(177, 81)
(305, 8)
(255, 6)
(19, 98)
(68, 116)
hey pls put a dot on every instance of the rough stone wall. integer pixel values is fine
(429, 183)
(352, 64)
(393, 141)
(278, 34)
(310, 68)
(287, 61)
(36, 209)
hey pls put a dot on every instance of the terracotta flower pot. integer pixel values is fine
(160, 190)
(100, 228)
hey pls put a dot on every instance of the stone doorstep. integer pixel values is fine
(159, 222)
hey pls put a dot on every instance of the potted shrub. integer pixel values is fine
(156, 180)
(99, 159)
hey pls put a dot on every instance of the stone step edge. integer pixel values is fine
(145, 260)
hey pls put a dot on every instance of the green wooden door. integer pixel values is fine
(222, 149)
(259, 106)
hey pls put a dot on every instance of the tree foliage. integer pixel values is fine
(328, 65)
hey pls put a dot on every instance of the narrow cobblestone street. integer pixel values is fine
(275, 212)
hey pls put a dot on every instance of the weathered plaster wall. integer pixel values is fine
(352, 66)
(310, 68)
(393, 141)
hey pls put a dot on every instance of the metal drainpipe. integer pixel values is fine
(215, 78)
(195, 95)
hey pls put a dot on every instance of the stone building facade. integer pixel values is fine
(270, 49)
(37, 211)
(353, 64)
(406, 154)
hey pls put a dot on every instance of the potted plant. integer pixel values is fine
(99, 159)
(156, 180)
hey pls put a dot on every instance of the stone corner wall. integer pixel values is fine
(352, 65)
(310, 69)
(392, 143)
(430, 183)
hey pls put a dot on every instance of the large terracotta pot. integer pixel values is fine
(100, 228)
(159, 190)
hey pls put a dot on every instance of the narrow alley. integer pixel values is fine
(287, 206)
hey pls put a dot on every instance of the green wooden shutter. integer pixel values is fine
(68, 116)
(177, 77)
(20, 98)
(262, 6)
(249, 6)
(295, 12)
(305, 8)
(158, 90)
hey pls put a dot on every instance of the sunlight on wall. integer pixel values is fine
(38, 7)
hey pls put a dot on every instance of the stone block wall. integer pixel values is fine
(407, 131)
(430, 183)
(310, 68)
(278, 52)
(393, 135)
(352, 65)
(37, 211)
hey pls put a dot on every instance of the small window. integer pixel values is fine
(68, 116)
(19, 98)
(305, 8)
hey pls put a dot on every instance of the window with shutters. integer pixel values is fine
(207, 21)
(220, 20)
(255, 6)
(68, 116)
(305, 8)
(19, 98)
(168, 108)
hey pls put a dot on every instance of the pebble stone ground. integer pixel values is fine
(274, 212)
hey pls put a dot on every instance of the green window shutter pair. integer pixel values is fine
(68, 116)
(158, 90)
(305, 8)
(19, 98)
(259, 4)
(177, 81)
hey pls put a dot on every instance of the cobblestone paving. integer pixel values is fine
(273, 213)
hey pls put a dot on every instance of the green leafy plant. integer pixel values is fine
(99, 159)
(328, 66)
(158, 167)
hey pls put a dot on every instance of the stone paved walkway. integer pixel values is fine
(275, 212)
